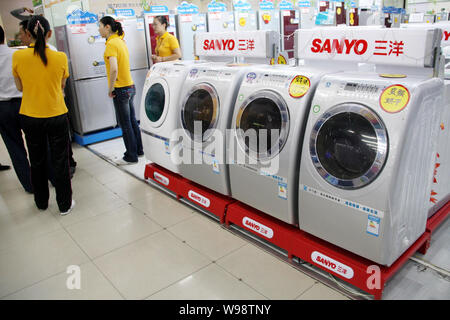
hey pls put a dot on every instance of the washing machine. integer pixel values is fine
(367, 161)
(159, 110)
(268, 125)
(207, 99)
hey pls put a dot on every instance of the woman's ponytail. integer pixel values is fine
(115, 25)
(118, 28)
(38, 27)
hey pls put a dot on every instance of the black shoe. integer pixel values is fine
(3, 167)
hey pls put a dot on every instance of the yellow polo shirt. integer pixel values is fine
(166, 44)
(116, 47)
(42, 93)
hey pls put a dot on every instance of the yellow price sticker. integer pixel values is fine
(394, 98)
(272, 61)
(299, 86)
(242, 22)
(281, 59)
(338, 11)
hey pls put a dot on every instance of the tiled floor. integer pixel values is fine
(131, 241)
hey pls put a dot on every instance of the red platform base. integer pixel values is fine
(165, 178)
(209, 200)
(355, 270)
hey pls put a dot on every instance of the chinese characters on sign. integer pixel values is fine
(383, 49)
(394, 98)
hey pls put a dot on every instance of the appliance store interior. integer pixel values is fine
(298, 150)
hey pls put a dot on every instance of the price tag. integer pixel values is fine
(299, 86)
(394, 98)
(242, 22)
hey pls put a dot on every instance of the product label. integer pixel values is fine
(394, 98)
(160, 178)
(282, 190)
(199, 198)
(216, 167)
(373, 225)
(257, 227)
(333, 265)
(299, 86)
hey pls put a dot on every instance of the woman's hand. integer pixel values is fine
(157, 58)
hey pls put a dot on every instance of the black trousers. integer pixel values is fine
(41, 133)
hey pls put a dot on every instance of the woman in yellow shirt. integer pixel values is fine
(121, 87)
(167, 46)
(41, 73)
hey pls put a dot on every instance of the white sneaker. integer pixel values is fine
(70, 209)
(122, 162)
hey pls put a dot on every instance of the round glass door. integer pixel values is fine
(348, 146)
(262, 125)
(200, 112)
(156, 101)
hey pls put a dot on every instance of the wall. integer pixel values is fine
(11, 24)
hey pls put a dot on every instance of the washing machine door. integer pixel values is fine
(262, 125)
(200, 110)
(157, 102)
(348, 146)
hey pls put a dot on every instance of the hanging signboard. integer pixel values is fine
(215, 6)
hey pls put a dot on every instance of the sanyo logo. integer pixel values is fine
(257, 227)
(337, 46)
(199, 198)
(223, 44)
(332, 265)
(160, 178)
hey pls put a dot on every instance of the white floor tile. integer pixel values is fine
(210, 283)
(26, 264)
(207, 236)
(93, 286)
(163, 208)
(25, 225)
(321, 292)
(108, 231)
(268, 275)
(149, 265)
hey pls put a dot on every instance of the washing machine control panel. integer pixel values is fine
(359, 90)
(267, 79)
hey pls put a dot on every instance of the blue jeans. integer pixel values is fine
(123, 104)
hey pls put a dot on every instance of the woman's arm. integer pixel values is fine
(176, 54)
(113, 71)
(18, 84)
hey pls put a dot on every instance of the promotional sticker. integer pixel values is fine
(373, 225)
(299, 86)
(242, 22)
(281, 59)
(394, 98)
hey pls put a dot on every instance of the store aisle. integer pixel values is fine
(131, 241)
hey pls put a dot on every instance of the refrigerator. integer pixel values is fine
(290, 21)
(188, 25)
(90, 108)
(220, 21)
(245, 21)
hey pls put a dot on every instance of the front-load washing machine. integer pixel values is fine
(268, 126)
(367, 161)
(207, 100)
(159, 111)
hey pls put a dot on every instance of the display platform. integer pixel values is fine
(91, 138)
(418, 276)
